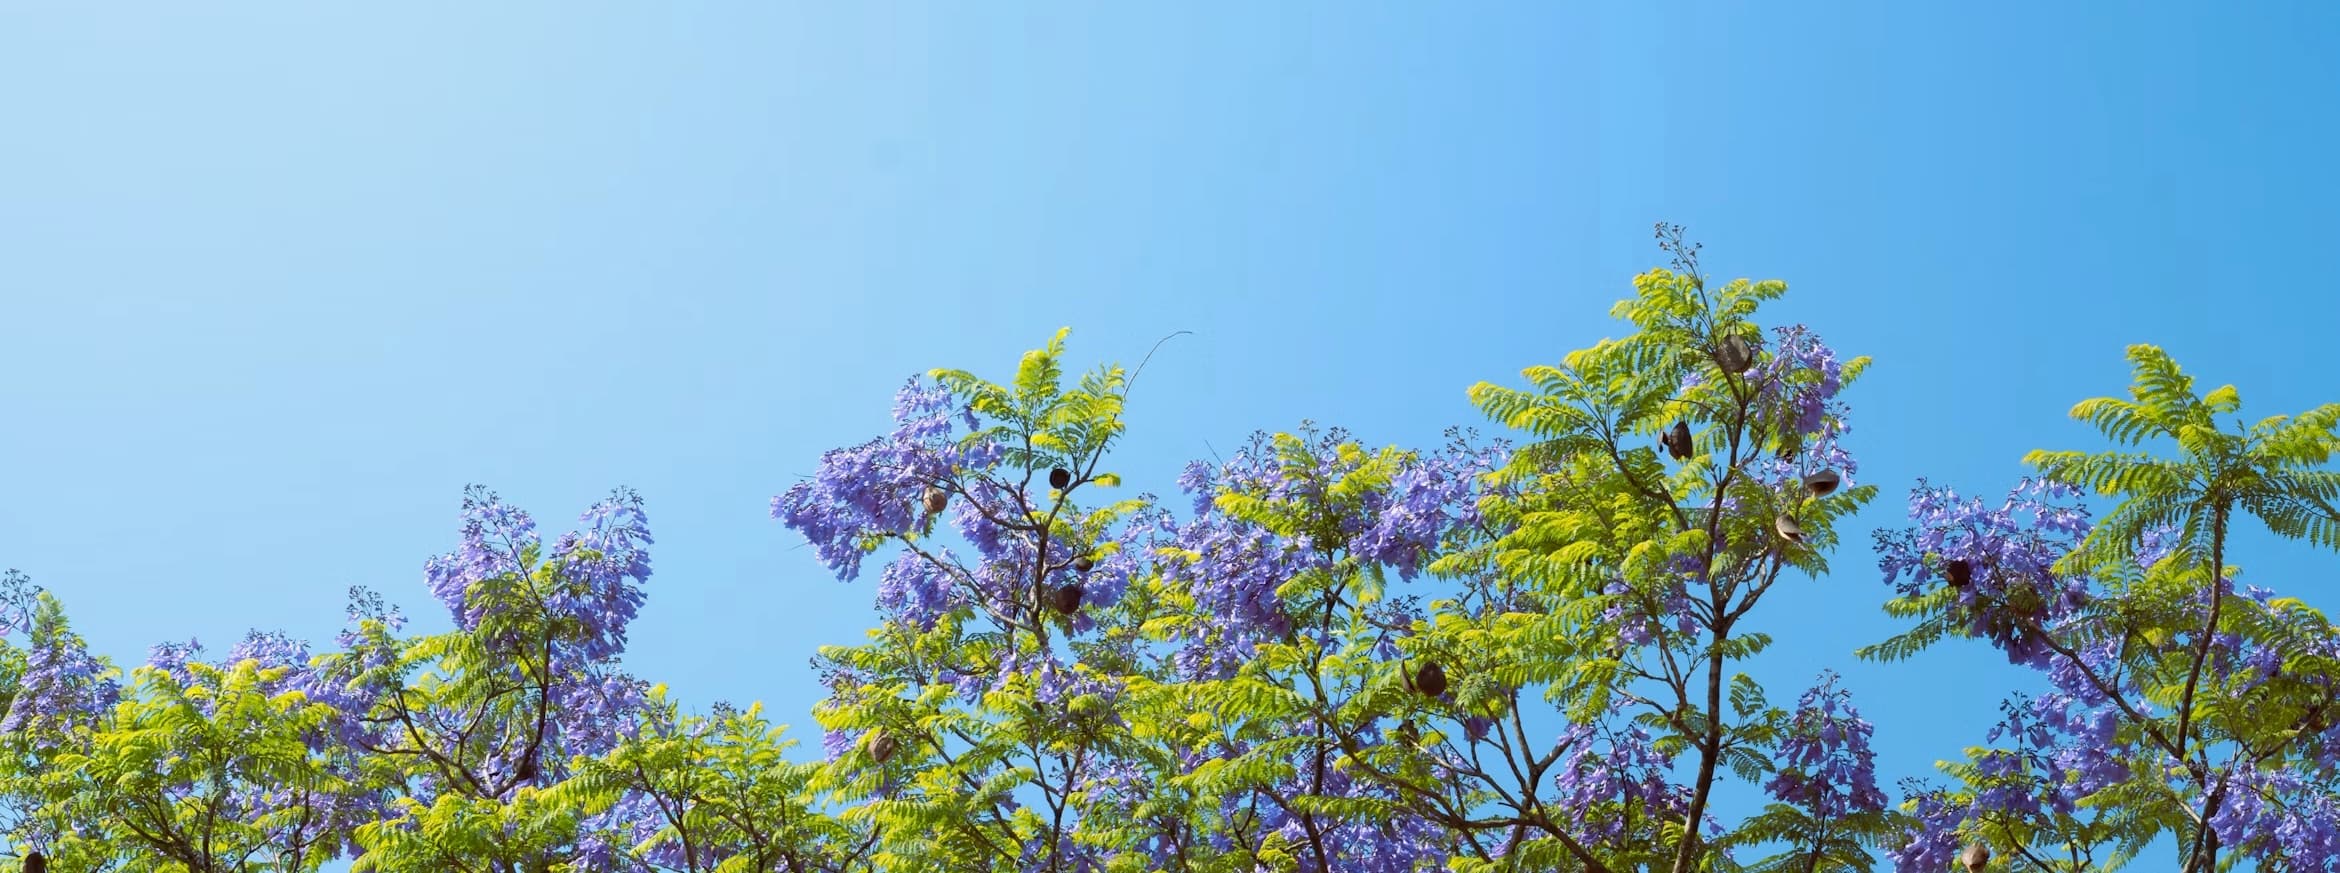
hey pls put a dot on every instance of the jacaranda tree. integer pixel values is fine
(1618, 583)
(58, 695)
(1526, 652)
(2179, 708)
(1246, 689)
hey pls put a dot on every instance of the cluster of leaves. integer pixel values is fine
(1328, 656)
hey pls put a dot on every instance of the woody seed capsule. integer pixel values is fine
(1066, 599)
(1431, 680)
(1733, 355)
(1975, 857)
(1789, 529)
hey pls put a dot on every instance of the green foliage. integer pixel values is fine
(2271, 469)
(723, 788)
(174, 768)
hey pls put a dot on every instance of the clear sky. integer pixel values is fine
(275, 283)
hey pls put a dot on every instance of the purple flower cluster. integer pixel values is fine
(1825, 762)
(1931, 844)
(270, 651)
(598, 572)
(2278, 815)
(1804, 374)
(1401, 844)
(1236, 566)
(598, 709)
(1423, 506)
(602, 566)
(2012, 593)
(2075, 728)
(1122, 789)
(836, 744)
(2051, 764)
(336, 679)
(1233, 576)
(874, 489)
(918, 590)
(1639, 620)
(1606, 769)
(607, 840)
(497, 542)
(64, 688)
(172, 659)
(1801, 380)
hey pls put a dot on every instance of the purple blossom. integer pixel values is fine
(874, 489)
(1931, 846)
(1802, 379)
(64, 688)
(598, 572)
(835, 744)
(1606, 771)
(2014, 593)
(496, 542)
(1402, 844)
(1234, 568)
(2278, 815)
(602, 566)
(917, 591)
(1825, 762)
(172, 658)
(1804, 375)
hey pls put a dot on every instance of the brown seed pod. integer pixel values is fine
(1976, 857)
(527, 769)
(1823, 483)
(1959, 572)
(1430, 680)
(1677, 441)
(1066, 599)
(881, 745)
(936, 499)
(1733, 355)
(36, 863)
(1083, 564)
(1789, 529)
(1059, 478)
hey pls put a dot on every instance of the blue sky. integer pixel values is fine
(275, 283)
